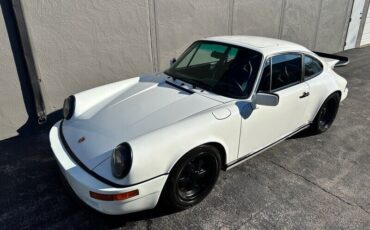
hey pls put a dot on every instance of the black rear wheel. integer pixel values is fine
(192, 178)
(326, 115)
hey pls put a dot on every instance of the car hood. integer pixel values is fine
(147, 105)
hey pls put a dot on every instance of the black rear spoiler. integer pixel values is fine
(334, 60)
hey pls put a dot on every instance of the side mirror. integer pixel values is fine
(173, 60)
(268, 99)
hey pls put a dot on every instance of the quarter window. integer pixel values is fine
(286, 70)
(312, 67)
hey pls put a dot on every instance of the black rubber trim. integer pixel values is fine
(343, 61)
(244, 158)
(91, 172)
(72, 106)
(179, 87)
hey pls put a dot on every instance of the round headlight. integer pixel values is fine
(121, 160)
(69, 107)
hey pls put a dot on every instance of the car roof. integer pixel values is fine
(266, 46)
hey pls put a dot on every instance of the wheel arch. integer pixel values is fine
(338, 92)
(323, 101)
(220, 147)
(165, 193)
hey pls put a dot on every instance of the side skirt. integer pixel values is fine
(247, 157)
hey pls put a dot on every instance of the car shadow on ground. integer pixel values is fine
(303, 134)
(117, 221)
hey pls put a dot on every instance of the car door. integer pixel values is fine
(266, 125)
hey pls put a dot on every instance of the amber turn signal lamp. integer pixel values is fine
(112, 197)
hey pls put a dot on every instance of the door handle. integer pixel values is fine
(305, 94)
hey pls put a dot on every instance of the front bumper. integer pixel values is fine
(82, 183)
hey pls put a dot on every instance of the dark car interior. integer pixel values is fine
(235, 75)
(285, 70)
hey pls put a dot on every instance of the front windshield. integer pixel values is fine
(220, 68)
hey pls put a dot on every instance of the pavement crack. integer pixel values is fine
(321, 188)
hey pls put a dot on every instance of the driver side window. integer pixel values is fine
(281, 71)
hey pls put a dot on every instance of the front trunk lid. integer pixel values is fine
(134, 112)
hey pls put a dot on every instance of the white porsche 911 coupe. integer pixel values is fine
(125, 146)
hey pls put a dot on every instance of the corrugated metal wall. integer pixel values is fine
(80, 44)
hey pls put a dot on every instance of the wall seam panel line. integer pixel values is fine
(282, 19)
(153, 35)
(156, 34)
(317, 25)
(231, 17)
(30, 62)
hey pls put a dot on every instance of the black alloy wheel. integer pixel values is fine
(327, 113)
(192, 178)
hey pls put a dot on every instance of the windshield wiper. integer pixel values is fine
(171, 75)
(181, 79)
(195, 83)
(180, 87)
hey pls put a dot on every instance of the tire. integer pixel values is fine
(326, 115)
(192, 178)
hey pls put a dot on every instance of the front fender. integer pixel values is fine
(155, 153)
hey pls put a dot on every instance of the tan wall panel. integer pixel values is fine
(331, 31)
(12, 110)
(300, 21)
(256, 17)
(80, 44)
(179, 23)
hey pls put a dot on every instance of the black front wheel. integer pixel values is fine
(192, 178)
(326, 115)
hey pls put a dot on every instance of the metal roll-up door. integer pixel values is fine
(365, 40)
